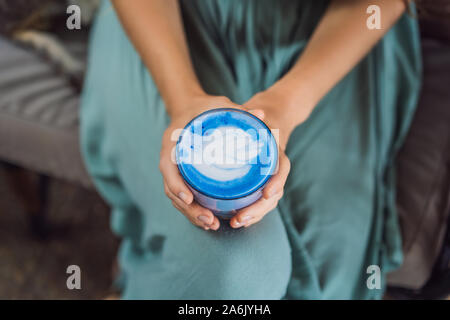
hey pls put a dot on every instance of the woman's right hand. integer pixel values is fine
(174, 185)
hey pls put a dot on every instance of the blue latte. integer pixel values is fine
(226, 156)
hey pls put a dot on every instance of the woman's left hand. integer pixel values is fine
(272, 107)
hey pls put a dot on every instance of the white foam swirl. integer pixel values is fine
(223, 154)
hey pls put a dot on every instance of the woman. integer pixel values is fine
(342, 96)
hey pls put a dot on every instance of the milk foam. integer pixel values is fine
(224, 153)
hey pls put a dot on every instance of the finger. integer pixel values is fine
(215, 225)
(193, 221)
(196, 218)
(277, 181)
(255, 211)
(200, 214)
(197, 214)
(174, 181)
(269, 209)
(171, 196)
(259, 113)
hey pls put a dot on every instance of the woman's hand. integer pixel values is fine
(174, 185)
(274, 109)
(282, 116)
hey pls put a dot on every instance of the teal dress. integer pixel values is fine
(337, 217)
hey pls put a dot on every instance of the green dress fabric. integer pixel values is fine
(337, 216)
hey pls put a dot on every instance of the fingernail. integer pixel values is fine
(206, 228)
(183, 197)
(245, 218)
(236, 223)
(203, 219)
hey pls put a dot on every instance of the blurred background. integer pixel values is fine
(51, 216)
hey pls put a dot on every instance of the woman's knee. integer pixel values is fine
(253, 263)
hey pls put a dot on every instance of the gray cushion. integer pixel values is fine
(39, 114)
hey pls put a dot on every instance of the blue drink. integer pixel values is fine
(226, 156)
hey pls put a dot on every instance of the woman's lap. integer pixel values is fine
(188, 262)
(171, 258)
(321, 238)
